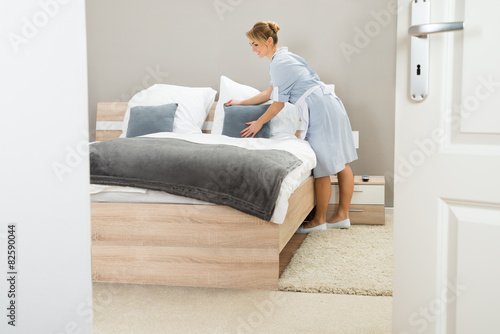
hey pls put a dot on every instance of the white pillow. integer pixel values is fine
(194, 105)
(284, 124)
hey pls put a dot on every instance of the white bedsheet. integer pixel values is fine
(299, 148)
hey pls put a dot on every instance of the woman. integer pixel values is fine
(328, 130)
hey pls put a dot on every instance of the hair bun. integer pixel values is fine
(274, 26)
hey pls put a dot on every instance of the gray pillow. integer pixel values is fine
(151, 119)
(235, 118)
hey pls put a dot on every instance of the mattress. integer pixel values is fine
(300, 148)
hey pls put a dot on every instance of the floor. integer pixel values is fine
(154, 309)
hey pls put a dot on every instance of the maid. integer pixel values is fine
(327, 127)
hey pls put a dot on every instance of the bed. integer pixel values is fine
(187, 244)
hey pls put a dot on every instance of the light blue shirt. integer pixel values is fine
(290, 76)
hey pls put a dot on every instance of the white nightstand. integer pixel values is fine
(368, 200)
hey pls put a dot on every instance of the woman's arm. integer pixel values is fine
(255, 126)
(257, 99)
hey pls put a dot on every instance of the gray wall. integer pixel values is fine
(134, 44)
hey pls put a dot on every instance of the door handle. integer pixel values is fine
(422, 30)
(419, 32)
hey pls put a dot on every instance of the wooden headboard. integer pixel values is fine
(110, 116)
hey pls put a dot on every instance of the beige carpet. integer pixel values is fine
(356, 261)
(131, 309)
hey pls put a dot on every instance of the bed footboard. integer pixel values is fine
(192, 245)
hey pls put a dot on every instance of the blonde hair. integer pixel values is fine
(262, 30)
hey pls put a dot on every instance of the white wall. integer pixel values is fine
(134, 44)
(44, 172)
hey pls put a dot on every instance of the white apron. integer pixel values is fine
(302, 104)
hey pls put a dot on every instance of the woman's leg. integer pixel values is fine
(322, 190)
(346, 188)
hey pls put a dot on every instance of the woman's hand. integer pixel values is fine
(232, 102)
(254, 127)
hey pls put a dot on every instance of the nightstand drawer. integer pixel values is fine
(361, 214)
(363, 194)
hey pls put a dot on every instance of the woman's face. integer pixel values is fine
(260, 48)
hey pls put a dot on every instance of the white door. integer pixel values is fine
(45, 240)
(447, 176)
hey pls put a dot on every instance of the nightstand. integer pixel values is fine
(368, 200)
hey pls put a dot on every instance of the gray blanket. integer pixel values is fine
(244, 179)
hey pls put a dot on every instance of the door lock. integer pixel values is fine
(419, 60)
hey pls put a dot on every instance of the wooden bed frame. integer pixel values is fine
(187, 245)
